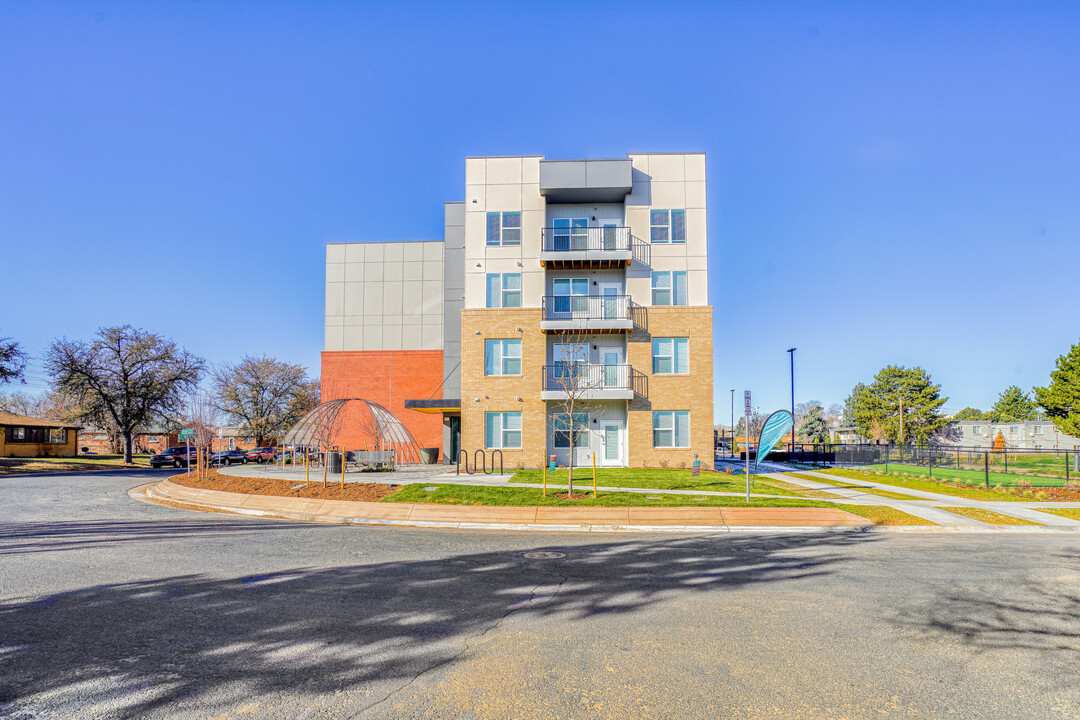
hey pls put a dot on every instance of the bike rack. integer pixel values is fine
(493, 462)
(466, 454)
(483, 458)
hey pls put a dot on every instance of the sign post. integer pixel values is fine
(186, 434)
(746, 426)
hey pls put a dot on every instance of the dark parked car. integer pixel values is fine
(228, 457)
(175, 456)
(262, 454)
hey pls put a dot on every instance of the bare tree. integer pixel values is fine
(129, 376)
(576, 380)
(12, 361)
(264, 396)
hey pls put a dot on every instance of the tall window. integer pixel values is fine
(667, 226)
(504, 228)
(563, 432)
(670, 356)
(502, 430)
(570, 295)
(570, 234)
(502, 357)
(669, 287)
(504, 290)
(671, 428)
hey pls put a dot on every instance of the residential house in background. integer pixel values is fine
(554, 278)
(1021, 435)
(22, 436)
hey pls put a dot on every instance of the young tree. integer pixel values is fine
(128, 376)
(814, 427)
(12, 361)
(1061, 398)
(1012, 405)
(264, 396)
(575, 379)
(201, 415)
(877, 408)
(970, 413)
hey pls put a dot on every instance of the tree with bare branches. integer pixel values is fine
(264, 396)
(576, 380)
(125, 375)
(12, 361)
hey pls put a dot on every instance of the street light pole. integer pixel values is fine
(791, 352)
(733, 422)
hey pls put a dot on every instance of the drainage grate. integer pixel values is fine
(543, 555)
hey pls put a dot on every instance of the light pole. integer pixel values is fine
(732, 422)
(791, 352)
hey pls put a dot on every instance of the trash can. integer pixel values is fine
(333, 462)
(429, 456)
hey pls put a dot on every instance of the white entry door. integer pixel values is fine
(613, 301)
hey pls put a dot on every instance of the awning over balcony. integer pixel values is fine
(584, 181)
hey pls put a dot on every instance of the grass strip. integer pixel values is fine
(1071, 513)
(933, 486)
(882, 515)
(800, 490)
(988, 516)
(653, 479)
(860, 488)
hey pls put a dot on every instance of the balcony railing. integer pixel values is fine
(585, 239)
(589, 381)
(586, 308)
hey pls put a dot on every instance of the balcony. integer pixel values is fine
(569, 248)
(592, 313)
(586, 381)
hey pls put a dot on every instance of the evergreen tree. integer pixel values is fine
(814, 427)
(877, 408)
(1061, 398)
(1012, 405)
(848, 419)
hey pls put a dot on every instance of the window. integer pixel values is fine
(18, 433)
(570, 360)
(671, 428)
(502, 357)
(504, 290)
(1038, 430)
(669, 287)
(562, 429)
(151, 438)
(502, 430)
(667, 226)
(976, 430)
(570, 234)
(504, 228)
(1012, 430)
(57, 435)
(670, 356)
(570, 295)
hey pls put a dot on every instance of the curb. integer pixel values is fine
(148, 492)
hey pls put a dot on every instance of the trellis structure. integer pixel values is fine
(322, 424)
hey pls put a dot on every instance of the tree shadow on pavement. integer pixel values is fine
(169, 643)
(49, 536)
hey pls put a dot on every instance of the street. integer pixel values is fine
(112, 607)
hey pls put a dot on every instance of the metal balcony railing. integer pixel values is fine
(586, 239)
(575, 377)
(586, 307)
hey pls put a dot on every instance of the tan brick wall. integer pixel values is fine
(693, 392)
(500, 393)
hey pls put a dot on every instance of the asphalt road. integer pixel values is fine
(114, 608)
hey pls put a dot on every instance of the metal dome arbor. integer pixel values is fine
(323, 424)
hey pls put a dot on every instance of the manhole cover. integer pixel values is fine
(544, 555)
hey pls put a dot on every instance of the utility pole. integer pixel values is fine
(732, 422)
(791, 352)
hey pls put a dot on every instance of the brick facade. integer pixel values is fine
(389, 378)
(693, 392)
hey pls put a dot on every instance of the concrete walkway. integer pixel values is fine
(926, 504)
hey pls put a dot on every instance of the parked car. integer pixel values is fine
(175, 456)
(228, 457)
(262, 454)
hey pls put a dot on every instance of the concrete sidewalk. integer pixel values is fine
(589, 519)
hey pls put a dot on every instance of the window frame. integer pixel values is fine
(678, 358)
(498, 362)
(500, 435)
(671, 228)
(559, 429)
(501, 228)
(672, 288)
(673, 417)
(504, 291)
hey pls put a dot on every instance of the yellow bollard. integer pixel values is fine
(307, 467)
(594, 475)
(324, 466)
(544, 470)
(342, 469)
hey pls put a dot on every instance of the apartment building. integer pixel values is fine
(571, 315)
(1018, 435)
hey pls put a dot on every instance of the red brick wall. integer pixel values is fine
(387, 377)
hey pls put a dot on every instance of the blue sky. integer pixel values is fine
(889, 182)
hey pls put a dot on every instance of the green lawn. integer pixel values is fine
(927, 485)
(974, 477)
(659, 479)
(1071, 513)
(988, 516)
(14, 466)
(882, 515)
(851, 486)
(483, 495)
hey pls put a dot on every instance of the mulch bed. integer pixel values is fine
(575, 496)
(369, 492)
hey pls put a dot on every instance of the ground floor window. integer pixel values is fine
(57, 435)
(561, 422)
(502, 430)
(671, 428)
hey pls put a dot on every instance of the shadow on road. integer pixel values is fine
(49, 536)
(159, 643)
